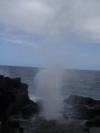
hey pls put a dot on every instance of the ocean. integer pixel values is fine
(78, 82)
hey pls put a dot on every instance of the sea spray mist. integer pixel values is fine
(48, 89)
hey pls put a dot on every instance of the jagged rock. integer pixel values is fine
(93, 123)
(14, 101)
(14, 98)
(30, 109)
(83, 108)
(79, 100)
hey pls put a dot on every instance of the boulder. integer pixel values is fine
(93, 123)
(82, 108)
(79, 100)
(15, 104)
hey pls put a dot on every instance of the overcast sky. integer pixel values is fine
(46, 32)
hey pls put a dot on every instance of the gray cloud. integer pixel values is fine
(62, 25)
(52, 18)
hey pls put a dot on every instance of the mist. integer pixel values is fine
(48, 90)
(4, 72)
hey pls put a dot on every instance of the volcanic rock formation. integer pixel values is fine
(15, 102)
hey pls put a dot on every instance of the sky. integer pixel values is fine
(40, 33)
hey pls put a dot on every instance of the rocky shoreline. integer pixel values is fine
(19, 114)
(83, 108)
(15, 104)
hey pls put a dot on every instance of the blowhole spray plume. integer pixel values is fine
(48, 89)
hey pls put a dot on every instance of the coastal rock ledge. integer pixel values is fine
(14, 103)
(83, 108)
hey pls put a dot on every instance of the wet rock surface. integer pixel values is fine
(83, 108)
(16, 109)
(14, 103)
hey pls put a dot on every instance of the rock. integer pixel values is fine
(54, 126)
(30, 109)
(77, 112)
(79, 100)
(93, 123)
(83, 108)
(14, 100)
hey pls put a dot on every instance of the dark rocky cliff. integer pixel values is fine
(83, 108)
(14, 100)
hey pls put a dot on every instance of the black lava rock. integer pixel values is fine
(83, 108)
(14, 99)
